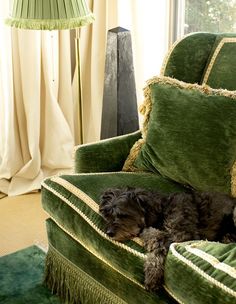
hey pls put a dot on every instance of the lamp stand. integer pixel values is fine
(80, 98)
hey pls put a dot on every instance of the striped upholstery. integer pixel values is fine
(211, 267)
(76, 230)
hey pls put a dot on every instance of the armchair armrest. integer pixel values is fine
(106, 155)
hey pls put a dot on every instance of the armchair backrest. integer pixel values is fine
(208, 58)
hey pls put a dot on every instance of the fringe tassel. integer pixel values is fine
(145, 110)
(189, 86)
(72, 284)
(233, 180)
(128, 165)
(57, 24)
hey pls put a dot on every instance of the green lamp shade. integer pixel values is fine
(49, 14)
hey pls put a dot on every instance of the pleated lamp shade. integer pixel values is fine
(49, 14)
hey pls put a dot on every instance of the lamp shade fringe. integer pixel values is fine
(56, 24)
(49, 14)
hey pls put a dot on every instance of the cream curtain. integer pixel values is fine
(36, 117)
(38, 107)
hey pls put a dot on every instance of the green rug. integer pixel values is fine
(21, 276)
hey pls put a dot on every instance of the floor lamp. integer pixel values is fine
(54, 15)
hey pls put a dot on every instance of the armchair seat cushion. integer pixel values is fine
(79, 248)
(211, 267)
(76, 213)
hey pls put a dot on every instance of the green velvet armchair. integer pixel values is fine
(188, 139)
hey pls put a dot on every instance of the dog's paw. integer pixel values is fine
(154, 239)
(153, 282)
(148, 237)
(147, 232)
(154, 272)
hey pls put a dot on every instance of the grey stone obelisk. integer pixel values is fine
(119, 112)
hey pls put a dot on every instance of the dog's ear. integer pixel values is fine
(107, 197)
(140, 197)
(151, 205)
(110, 194)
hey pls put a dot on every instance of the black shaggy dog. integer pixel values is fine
(161, 219)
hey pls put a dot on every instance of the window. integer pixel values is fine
(210, 16)
(189, 16)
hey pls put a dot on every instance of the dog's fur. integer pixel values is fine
(161, 219)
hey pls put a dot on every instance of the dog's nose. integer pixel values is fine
(110, 232)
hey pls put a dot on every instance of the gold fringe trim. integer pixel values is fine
(188, 86)
(72, 284)
(214, 56)
(128, 165)
(233, 179)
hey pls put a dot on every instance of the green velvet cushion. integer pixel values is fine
(72, 203)
(202, 272)
(220, 70)
(189, 135)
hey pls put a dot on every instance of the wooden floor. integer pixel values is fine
(22, 223)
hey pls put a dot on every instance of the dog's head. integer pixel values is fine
(123, 212)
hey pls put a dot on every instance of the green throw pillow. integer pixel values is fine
(221, 68)
(189, 135)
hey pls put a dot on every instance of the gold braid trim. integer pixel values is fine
(72, 284)
(167, 57)
(198, 270)
(227, 269)
(93, 225)
(85, 198)
(214, 56)
(77, 192)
